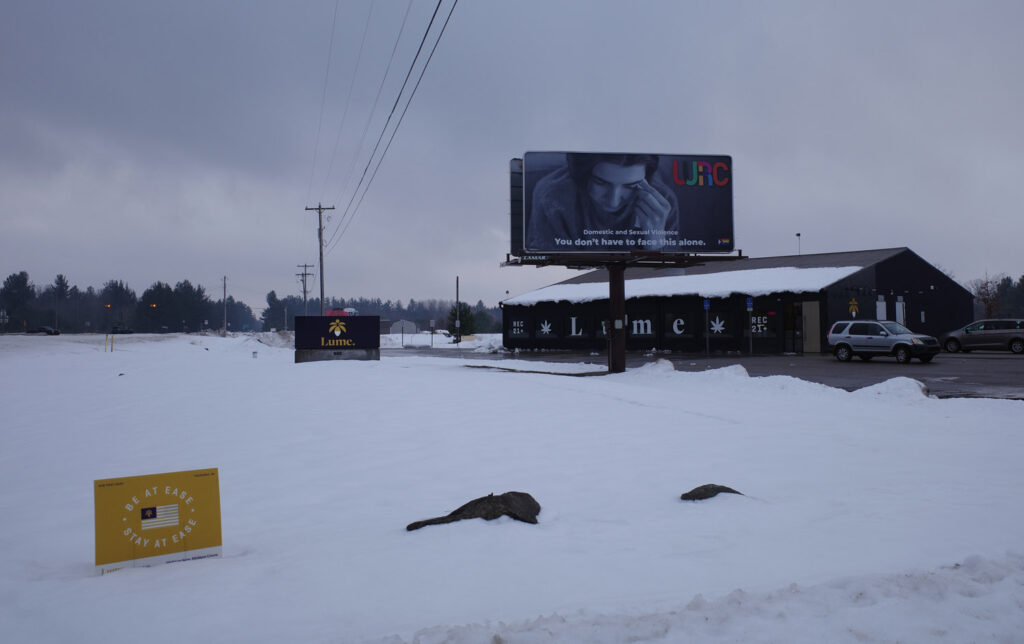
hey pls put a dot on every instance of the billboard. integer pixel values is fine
(157, 518)
(601, 203)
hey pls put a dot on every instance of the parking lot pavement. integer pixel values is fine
(979, 374)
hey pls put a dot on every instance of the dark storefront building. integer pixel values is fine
(788, 303)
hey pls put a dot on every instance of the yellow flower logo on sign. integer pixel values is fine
(337, 328)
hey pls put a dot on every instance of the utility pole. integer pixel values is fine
(302, 276)
(458, 322)
(320, 208)
(225, 332)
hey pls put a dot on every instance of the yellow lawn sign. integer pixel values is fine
(157, 518)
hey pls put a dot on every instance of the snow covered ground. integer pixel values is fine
(880, 515)
(483, 343)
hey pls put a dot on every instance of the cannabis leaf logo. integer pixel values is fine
(717, 325)
(337, 328)
(545, 327)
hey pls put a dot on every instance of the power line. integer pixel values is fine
(348, 98)
(393, 132)
(369, 116)
(323, 101)
(391, 114)
(394, 106)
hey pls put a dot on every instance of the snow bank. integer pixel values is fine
(855, 507)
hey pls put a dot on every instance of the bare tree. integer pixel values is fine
(986, 291)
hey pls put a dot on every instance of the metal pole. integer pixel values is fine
(707, 336)
(750, 322)
(617, 311)
(225, 306)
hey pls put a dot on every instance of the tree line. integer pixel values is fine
(186, 307)
(425, 314)
(116, 307)
(999, 296)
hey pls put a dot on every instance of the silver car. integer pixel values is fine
(998, 335)
(869, 338)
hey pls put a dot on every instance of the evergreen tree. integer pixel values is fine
(273, 317)
(1011, 297)
(193, 305)
(15, 297)
(60, 291)
(467, 325)
(158, 309)
(119, 302)
(240, 316)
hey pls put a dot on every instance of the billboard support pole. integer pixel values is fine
(617, 304)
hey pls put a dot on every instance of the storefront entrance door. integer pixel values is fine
(793, 336)
(812, 328)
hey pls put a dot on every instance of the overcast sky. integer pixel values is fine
(155, 141)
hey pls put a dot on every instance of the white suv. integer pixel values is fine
(869, 338)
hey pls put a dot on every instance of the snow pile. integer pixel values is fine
(879, 515)
(945, 604)
(753, 282)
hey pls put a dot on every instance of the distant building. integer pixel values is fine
(404, 326)
(794, 300)
(345, 311)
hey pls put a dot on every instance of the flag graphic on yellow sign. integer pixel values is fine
(159, 517)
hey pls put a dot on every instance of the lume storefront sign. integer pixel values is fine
(674, 325)
(332, 337)
(157, 518)
(337, 332)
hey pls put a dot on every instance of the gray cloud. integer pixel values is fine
(162, 142)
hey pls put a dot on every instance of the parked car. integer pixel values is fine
(48, 330)
(1000, 335)
(867, 339)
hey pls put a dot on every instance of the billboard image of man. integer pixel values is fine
(611, 192)
(579, 202)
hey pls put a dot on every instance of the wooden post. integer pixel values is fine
(320, 208)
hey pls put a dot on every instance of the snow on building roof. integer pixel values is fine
(752, 282)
